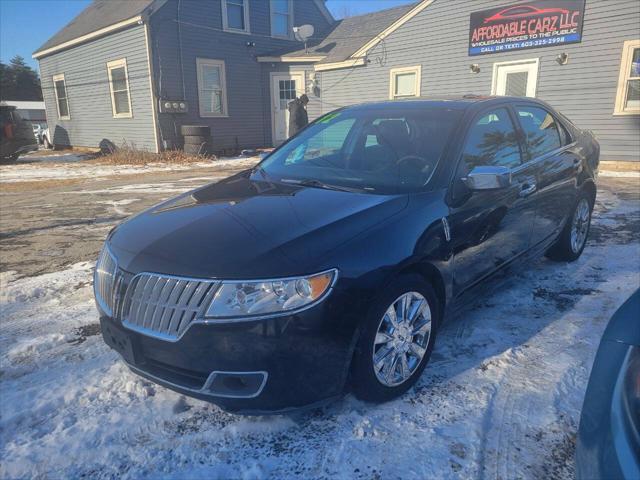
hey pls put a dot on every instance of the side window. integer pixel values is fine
(492, 141)
(212, 88)
(119, 85)
(235, 15)
(281, 18)
(62, 100)
(541, 130)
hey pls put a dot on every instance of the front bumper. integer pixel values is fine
(257, 366)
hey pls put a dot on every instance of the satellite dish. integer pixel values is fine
(303, 32)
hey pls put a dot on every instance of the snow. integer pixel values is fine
(38, 156)
(500, 398)
(619, 174)
(70, 166)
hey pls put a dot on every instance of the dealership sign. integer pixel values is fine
(539, 23)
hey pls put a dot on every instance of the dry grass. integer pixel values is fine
(131, 156)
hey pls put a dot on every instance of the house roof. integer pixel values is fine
(104, 16)
(349, 35)
(99, 15)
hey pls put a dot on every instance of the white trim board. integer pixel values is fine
(152, 90)
(286, 59)
(138, 19)
(623, 79)
(89, 36)
(352, 62)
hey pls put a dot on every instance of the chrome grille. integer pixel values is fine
(104, 280)
(164, 306)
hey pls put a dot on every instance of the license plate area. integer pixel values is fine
(119, 340)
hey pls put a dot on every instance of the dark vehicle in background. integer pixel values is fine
(16, 135)
(609, 433)
(333, 262)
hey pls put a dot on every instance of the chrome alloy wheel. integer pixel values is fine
(402, 339)
(580, 225)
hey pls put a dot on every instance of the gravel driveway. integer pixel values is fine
(57, 214)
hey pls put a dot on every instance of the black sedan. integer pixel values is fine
(332, 263)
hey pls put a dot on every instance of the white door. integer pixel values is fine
(284, 88)
(515, 79)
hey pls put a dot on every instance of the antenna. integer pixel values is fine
(303, 33)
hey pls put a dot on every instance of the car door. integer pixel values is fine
(551, 152)
(489, 228)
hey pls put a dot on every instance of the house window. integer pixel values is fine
(281, 18)
(404, 82)
(212, 90)
(628, 96)
(119, 85)
(62, 100)
(235, 15)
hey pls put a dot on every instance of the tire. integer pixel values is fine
(197, 130)
(367, 382)
(196, 139)
(573, 238)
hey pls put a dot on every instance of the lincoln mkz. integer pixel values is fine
(330, 266)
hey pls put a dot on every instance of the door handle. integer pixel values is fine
(527, 189)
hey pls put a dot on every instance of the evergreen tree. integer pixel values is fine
(18, 81)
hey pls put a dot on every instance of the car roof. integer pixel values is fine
(461, 102)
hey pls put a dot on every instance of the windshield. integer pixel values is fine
(381, 150)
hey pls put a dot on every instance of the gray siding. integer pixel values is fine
(584, 89)
(248, 94)
(85, 70)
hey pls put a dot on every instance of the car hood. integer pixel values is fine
(243, 228)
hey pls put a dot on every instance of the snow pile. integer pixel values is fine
(45, 156)
(619, 174)
(500, 399)
(38, 171)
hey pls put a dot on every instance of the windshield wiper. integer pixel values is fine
(318, 184)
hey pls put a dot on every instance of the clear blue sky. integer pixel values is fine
(27, 24)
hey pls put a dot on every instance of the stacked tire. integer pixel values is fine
(197, 139)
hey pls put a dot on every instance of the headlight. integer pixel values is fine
(257, 298)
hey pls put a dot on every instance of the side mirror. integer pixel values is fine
(488, 178)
